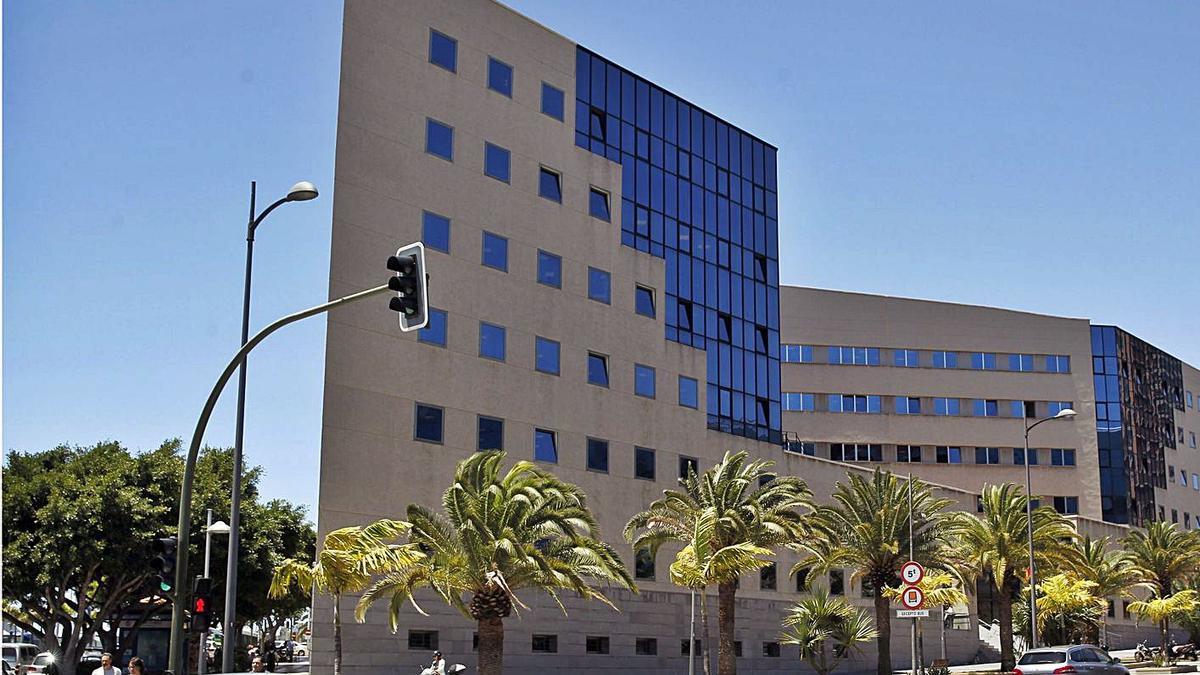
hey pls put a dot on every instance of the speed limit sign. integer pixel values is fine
(912, 598)
(912, 573)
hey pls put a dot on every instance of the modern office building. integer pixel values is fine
(604, 281)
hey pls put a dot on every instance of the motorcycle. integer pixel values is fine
(450, 670)
(1185, 651)
(1143, 652)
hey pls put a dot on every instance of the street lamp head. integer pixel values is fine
(302, 192)
(219, 527)
(1064, 414)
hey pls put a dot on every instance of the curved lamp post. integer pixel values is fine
(300, 192)
(1064, 414)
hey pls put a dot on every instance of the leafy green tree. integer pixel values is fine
(1160, 610)
(866, 529)
(1166, 559)
(1069, 610)
(994, 547)
(826, 629)
(501, 532)
(730, 511)
(346, 563)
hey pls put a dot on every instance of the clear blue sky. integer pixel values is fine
(1025, 155)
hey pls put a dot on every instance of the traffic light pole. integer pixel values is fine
(176, 659)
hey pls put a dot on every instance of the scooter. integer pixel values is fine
(1143, 652)
(1185, 651)
(450, 670)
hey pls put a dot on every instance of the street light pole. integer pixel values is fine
(210, 528)
(1065, 413)
(302, 191)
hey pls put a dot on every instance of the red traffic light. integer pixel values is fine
(200, 606)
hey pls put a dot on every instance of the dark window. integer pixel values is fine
(435, 231)
(688, 465)
(645, 647)
(643, 564)
(643, 380)
(598, 205)
(491, 341)
(771, 650)
(1062, 457)
(549, 270)
(594, 644)
(491, 433)
(802, 579)
(546, 355)
(644, 301)
(767, 579)
(597, 369)
(908, 453)
(423, 640)
(689, 396)
(686, 650)
(1019, 456)
(500, 76)
(1066, 505)
(597, 455)
(760, 339)
(599, 285)
(443, 50)
(496, 161)
(552, 105)
(439, 139)
(760, 268)
(495, 251)
(724, 327)
(545, 446)
(643, 463)
(986, 408)
(949, 455)
(428, 423)
(987, 455)
(837, 582)
(550, 184)
(545, 644)
(737, 648)
(434, 332)
(596, 124)
(684, 315)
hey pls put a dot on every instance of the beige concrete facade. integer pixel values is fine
(371, 464)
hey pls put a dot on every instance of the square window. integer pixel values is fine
(689, 396)
(443, 50)
(500, 76)
(645, 647)
(643, 463)
(428, 423)
(491, 341)
(434, 332)
(545, 644)
(688, 466)
(496, 162)
(423, 640)
(495, 251)
(549, 272)
(908, 453)
(597, 455)
(491, 433)
(598, 205)
(949, 455)
(546, 354)
(550, 184)
(771, 650)
(552, 105)
(987, 455)
(594, 644)
(643, 380)
(1019, 456)
(439, 139)
(643, 564)
(435, 231)
(545, 446)
(597, 369)
(686, 649)
(644, 301)
(599, 285)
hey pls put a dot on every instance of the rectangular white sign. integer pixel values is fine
(912, 613)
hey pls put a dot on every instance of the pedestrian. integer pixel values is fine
(289, 649)
(438, 667)
(270, 649)
(137, 666)
(257, 666)
(106, 666)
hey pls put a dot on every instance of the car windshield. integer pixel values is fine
(1034, 658)
(43, 659)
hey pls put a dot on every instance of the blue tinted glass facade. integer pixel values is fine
(701, 194)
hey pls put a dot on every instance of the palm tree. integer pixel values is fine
(867, 529)
(942, 589)
(346, 563)
(820, 622)
(1160, 609)
(1069, 608)
(994, 546)
(1165, 557)
(732, 512)
(501, 532)
(1112, 571)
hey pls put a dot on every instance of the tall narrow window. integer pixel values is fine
(644, 381)
(435, 231)
(549, 271)
(643, 463)
(688, 392)
(491, 433)
(439, 139)
(552, 101)
(443, 50)
(496, 162)
(643, 564)
(599, 285)
(688, 466)
(597, 455)
(597, 369)
(500, 76)
(491, 341)
(550, 184)
(428, 423)
(598, 204)
(434, 332)
(546, 355)
(495, 251)
(644, 301)
(545, 446)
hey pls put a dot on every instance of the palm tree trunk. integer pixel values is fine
(883, 625)
(1165, 626)
(727, 606)
(705, 647)
(1004, 599)
(337, 634)
(491, 646)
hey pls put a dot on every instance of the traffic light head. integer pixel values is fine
(164, 562)
(201, 602)
(409, 283)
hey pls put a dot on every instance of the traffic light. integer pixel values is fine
(410, 286)
(201, 602)
(164, 562)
